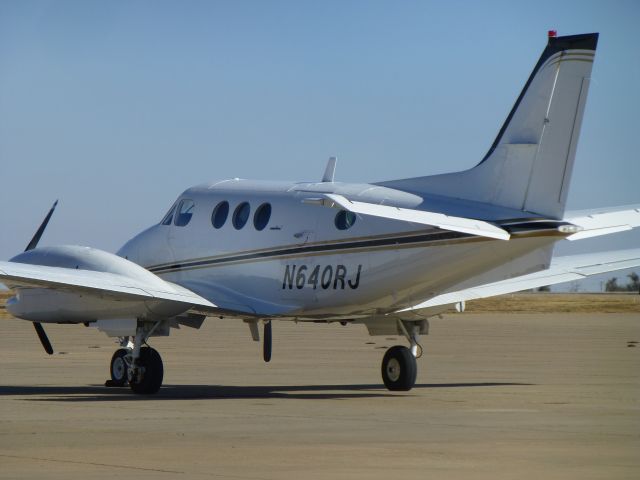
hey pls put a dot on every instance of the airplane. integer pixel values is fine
(388, 255)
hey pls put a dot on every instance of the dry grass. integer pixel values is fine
(526, 303)
(558, 303)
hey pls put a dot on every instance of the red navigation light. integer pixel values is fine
(552, 33)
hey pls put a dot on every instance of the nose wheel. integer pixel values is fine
(146, 377)
(139, 366)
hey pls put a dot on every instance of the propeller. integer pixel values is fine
(36, 238)
(266, 346)
(44, 340)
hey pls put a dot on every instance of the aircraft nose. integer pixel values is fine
(147, 248)
(130, 250)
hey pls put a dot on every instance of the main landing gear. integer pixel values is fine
(140, 367)
(399, 369)
(399, 366)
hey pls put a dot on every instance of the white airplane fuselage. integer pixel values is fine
(302, 265)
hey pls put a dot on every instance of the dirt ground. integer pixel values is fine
(498, 396)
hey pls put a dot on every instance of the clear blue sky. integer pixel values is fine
(115, 107)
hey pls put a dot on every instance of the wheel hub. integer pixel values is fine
(119, 368)
(393, 370)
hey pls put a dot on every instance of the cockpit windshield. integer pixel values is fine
(168, 218)
(184, 213)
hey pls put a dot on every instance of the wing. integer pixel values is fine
(444, 222)
(112, 286)
(604, 221)
(87, 281)
(562, 269)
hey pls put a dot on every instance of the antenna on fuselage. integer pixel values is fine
(330, 171)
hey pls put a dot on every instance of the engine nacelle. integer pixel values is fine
(56, 306)
(63, 306)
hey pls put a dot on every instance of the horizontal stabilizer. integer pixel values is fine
(601, 222)
(439, 220)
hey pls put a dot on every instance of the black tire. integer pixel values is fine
(151, 378)
(118, 368)
(399, 369)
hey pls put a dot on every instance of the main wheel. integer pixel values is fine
(399, 369)
(118, 368)
(152, 371)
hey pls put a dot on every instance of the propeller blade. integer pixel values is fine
(44, 340)
(36, 238)
(266, 351)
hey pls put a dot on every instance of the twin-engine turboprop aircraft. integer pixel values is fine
(387, 255)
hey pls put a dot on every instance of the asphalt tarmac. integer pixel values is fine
(498, 396)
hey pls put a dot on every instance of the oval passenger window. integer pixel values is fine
(241, 215)
(262, 216)
(345, 219)
(220, 214)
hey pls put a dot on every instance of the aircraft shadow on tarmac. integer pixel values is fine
(99, 393)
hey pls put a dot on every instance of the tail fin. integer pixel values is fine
(529, 165)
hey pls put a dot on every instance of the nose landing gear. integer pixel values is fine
(118, 368)
(140, 367)
(146, 377)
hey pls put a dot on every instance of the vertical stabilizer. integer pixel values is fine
(529, 165)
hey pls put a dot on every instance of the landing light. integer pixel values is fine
(569, 228)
